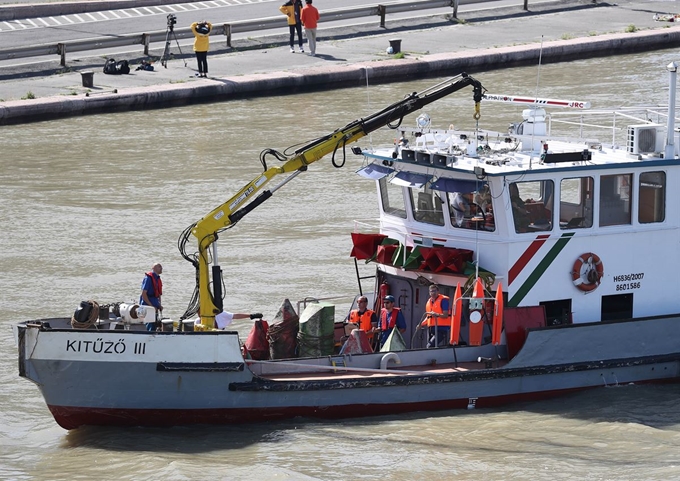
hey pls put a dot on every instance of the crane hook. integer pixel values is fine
(477, 115)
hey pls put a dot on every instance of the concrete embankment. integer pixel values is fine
(345, 63)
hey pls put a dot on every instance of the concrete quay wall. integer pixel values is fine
(166, 93)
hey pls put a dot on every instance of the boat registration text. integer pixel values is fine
(625, 280)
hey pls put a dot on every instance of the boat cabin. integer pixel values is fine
(567, 224)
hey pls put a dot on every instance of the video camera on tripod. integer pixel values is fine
(172, 21)
(170, 33)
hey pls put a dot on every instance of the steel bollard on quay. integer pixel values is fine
(88, 78)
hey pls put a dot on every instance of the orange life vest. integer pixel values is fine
(384, 325)
(435, 306)
(361, 320)
(157, 284)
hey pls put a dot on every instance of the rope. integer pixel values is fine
(282, 339)
(92, 319)
(488, 278)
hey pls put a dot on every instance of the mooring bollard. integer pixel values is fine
(88, 78)
(395, 43)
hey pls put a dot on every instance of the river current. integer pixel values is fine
(90, 203)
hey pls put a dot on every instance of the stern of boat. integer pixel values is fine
(24, 339)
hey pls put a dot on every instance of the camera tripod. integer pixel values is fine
(170, 31)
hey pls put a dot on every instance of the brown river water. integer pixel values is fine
(90, 203)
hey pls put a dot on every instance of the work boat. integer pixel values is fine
(534, 237)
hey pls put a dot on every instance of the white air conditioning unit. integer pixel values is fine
(645, 139)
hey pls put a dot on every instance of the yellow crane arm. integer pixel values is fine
(230, 212)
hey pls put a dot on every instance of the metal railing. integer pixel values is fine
(145, 39)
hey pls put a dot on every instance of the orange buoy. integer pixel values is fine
(456, 314)
(587, 272)
(497, 317)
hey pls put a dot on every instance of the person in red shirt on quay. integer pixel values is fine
(309, 18)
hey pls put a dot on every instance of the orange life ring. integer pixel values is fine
(587, 272)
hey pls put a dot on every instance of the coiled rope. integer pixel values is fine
(92, 319)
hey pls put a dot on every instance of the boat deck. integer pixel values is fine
(349, 373)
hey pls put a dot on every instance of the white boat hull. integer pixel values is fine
(201, 378)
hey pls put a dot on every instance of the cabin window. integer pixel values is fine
(472, 210)
(652, 202)
(576, 203)
(392, 197)
(557, 312)
(615, 197)
(532, 205)
(427, 206)
(616, 307)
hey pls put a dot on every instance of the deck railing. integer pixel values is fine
(614, 122)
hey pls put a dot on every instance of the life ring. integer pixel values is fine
(587, 272)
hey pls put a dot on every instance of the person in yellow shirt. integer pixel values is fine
(292, 9)
(201, 31)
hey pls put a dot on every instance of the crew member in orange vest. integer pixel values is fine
(390, 317)
(152, 290)
(437, 321)
(364, 318)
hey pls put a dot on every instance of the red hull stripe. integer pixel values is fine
(74, 417)
(526, 257)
